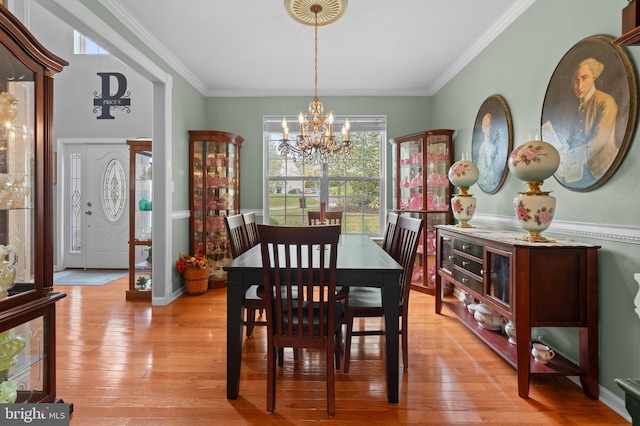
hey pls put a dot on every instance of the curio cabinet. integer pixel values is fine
(27, 296)
(214, 188)
(421, 188)
(140, 220)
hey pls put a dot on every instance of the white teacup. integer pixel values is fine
(542, 353)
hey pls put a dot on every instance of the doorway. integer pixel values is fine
(94, 218)
(82, 19)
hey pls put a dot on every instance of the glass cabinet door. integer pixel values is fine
(498, 279)
(18, 183)
(438, 186)
(23, 360)
(410, 161)
(140, 218)
(143, 194)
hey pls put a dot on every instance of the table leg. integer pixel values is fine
(235, 316)
(390, 305)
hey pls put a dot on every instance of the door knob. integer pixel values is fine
(88, 212)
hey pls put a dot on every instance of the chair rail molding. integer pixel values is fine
(597, 231)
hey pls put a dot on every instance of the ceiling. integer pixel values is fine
(378, 48)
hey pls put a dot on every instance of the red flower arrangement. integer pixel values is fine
(187, 261)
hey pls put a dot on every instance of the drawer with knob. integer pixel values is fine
(468, 264)
(468, 281)
(468, 247)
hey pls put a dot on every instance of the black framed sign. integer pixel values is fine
(589, 112)
(492, 142)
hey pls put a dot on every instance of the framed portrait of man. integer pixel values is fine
(491, 143)
(589, 112)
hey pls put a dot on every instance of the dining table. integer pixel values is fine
(361, 262)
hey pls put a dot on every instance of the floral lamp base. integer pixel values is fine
(463, 207)
(535, 213)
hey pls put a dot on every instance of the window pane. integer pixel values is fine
(114, 191)
(354, 186)
(75, 170)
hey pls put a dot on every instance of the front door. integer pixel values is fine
(96, 213)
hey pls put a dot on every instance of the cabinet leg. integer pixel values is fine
(523, 376)
(588, 342)
(438, 294)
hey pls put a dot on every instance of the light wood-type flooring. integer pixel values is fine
(128, 363)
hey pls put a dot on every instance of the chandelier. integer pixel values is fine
(316, 141)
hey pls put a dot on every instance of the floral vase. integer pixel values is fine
(463, 207)
(535, 213)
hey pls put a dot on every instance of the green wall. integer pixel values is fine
(518, 65)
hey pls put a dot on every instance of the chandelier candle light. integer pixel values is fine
(316, 142)
(463, 174)
(533, 162)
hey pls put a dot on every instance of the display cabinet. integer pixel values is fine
(27, 297)
(528, 284)
(140, 219)
(214, 187)
(421, 188)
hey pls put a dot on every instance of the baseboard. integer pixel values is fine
(609, 399)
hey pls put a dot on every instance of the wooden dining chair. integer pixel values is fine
(366, 302)
(237, 236)
(252, 228)
(301, 260)
(392, 220)
(331, 217)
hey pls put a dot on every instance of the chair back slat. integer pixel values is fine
(404, 247)
(237, 234)
(392, 220)
(331, 217)
(252, 228)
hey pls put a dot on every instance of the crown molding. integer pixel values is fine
(123, 15)
(485, 39)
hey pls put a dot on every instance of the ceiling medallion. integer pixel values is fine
(306, 11)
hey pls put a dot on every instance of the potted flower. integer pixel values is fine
(195, 270)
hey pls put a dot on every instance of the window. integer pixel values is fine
(85, 46)
(114, 191)
(355, 186)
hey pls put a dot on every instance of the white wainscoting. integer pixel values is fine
(598, 231)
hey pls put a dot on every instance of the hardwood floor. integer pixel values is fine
(127, 363)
